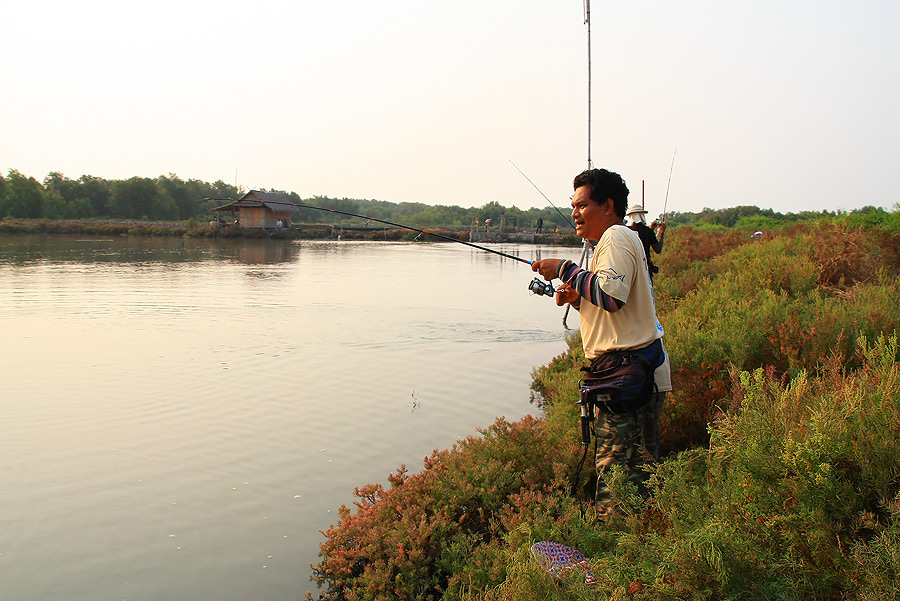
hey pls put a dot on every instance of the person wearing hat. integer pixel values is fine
(650, 415)
(637, 222)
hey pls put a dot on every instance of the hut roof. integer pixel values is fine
(276, 201)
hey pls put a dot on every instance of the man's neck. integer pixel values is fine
(613, 221)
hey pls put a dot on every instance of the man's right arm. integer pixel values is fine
(587, 285)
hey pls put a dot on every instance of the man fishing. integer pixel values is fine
(615, 301)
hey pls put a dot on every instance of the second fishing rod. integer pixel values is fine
(537, 286)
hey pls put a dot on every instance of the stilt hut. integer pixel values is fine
(260, 210)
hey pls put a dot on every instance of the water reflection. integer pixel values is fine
(257, 251)
(26, 249)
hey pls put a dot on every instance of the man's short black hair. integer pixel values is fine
(605, 184)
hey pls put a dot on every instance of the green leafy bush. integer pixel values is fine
(793, 303)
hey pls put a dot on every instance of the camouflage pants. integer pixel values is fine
(619, 442)
(649, 417)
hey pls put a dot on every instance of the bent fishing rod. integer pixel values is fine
(399, 225)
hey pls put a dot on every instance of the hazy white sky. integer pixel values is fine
(785, 104)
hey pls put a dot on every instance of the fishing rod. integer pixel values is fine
(667, 185)
(399, 225)
(569, 221)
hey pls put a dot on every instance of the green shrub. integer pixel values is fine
(792, 303)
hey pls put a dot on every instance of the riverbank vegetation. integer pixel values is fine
(194, 229)
(780, 477)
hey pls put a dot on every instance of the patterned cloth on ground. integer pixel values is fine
(558, 559)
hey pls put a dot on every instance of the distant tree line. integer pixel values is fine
(165, 198)
(753, 218)
(170, 198)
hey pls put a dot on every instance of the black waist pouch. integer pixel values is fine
(618, 381)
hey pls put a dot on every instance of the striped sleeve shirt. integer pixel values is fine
(587, 284)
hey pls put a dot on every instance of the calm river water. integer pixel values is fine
(180, 418)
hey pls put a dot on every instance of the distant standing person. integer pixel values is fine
(638, 223)
(540, 225)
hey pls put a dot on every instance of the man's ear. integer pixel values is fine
(609, 206)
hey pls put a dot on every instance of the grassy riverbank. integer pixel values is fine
(780, 480)
(94, 227)
(194, 229)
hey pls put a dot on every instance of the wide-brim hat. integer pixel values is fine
(636, 209)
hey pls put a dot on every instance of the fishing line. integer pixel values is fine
(569, 221)
(667, 185)
(406, 227)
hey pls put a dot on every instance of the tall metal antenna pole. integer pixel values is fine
(586, 248)
(587, 22)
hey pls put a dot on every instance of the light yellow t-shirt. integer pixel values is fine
(620, 263)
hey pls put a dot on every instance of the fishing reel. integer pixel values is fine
(541, 288)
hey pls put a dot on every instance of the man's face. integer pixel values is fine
(591, 219)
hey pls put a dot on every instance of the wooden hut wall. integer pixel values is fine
(263, 217)
(253, 217)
